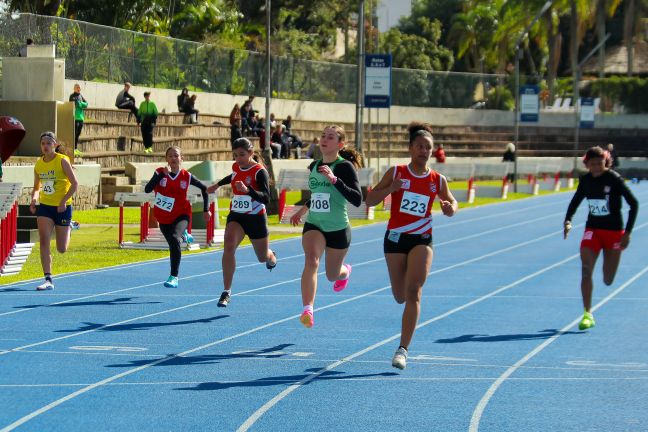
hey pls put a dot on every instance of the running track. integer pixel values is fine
(497, 349)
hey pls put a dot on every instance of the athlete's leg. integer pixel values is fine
(419, 261)
(611, 259)
(588, 260)
(173, 234)
(397, 266)
(234, 235)
(262, 251)
(62, 237)
(334, 260)
(314, 244)
(45, 227)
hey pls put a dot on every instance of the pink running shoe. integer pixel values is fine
(339, 285)
(307, 319)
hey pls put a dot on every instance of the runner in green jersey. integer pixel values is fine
(333, 181)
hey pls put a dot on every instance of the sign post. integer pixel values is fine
(378, 86)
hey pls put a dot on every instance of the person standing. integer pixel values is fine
(148, 116)
(439, 154)
(171, 207)
(603, 189)
(54, 186)
(614, 158)
(80, 104)
(408, 240)
(332, 181)
(247, 216)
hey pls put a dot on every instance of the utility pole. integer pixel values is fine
(359, 124)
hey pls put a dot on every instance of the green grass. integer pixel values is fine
(95, 244)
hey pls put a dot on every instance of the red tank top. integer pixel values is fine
(171, 197)
(411, 209)
(244, 203)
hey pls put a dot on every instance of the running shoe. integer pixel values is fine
(269, 265)
(188, 238)
(224, 299)
(307, 319)
(172, 282)
(400, 358)
(45, 286)
(339, 285)
(75, 225)
(78, 153)
(587, 321)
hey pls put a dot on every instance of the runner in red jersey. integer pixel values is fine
(408, 240)
(603, 189)
(171, 207)
(247, 217)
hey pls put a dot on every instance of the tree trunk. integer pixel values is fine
(573, 45)
(600, 28)
(629, 31)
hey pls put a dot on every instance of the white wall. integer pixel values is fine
(102, 95)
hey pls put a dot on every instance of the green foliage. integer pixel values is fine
(631, 92)
(500, 98)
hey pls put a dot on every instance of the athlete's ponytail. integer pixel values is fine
(346, 152)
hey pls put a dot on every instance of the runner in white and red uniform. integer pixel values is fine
(408, 240)
(171, 207)
(603, 189)
(247, 216)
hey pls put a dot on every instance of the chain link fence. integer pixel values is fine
(104, 54)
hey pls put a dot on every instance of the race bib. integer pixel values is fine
(320, 202)
(164, 202)
(414, 204)
(241, 203)
(598, 207)
(48, 187)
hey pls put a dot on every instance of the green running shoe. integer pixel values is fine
(587, 321)
(172, 282)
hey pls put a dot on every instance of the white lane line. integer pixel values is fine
(481, 406)
(344, 380)
(272, 402)
(79, 392)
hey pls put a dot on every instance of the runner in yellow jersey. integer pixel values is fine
(54, 185)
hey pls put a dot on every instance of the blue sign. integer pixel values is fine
(378, 80)
(529, 103)
(587, 113)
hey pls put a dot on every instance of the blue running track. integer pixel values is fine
(497, 348)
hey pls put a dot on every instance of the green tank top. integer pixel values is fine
(328, 209)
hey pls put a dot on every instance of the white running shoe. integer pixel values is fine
(45, 286)
(400, 358)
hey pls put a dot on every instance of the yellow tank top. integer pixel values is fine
(53, 181)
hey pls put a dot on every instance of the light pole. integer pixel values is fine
(268, 78)
(360, 87)
(516, 120)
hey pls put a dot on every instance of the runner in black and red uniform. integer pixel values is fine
(603, 189)
(408, 240)
(171, 207)
(247, 217)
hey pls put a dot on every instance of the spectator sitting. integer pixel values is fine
(182, 98)
(189, 109)
(288, 124)
(235, 131)
(126, 101)
(279, 138)
(246, 111)
(275, 146)
(294, 143)
(439, 154)
(23, 50)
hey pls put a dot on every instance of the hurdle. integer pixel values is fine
(12, 254)
(152, 238)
